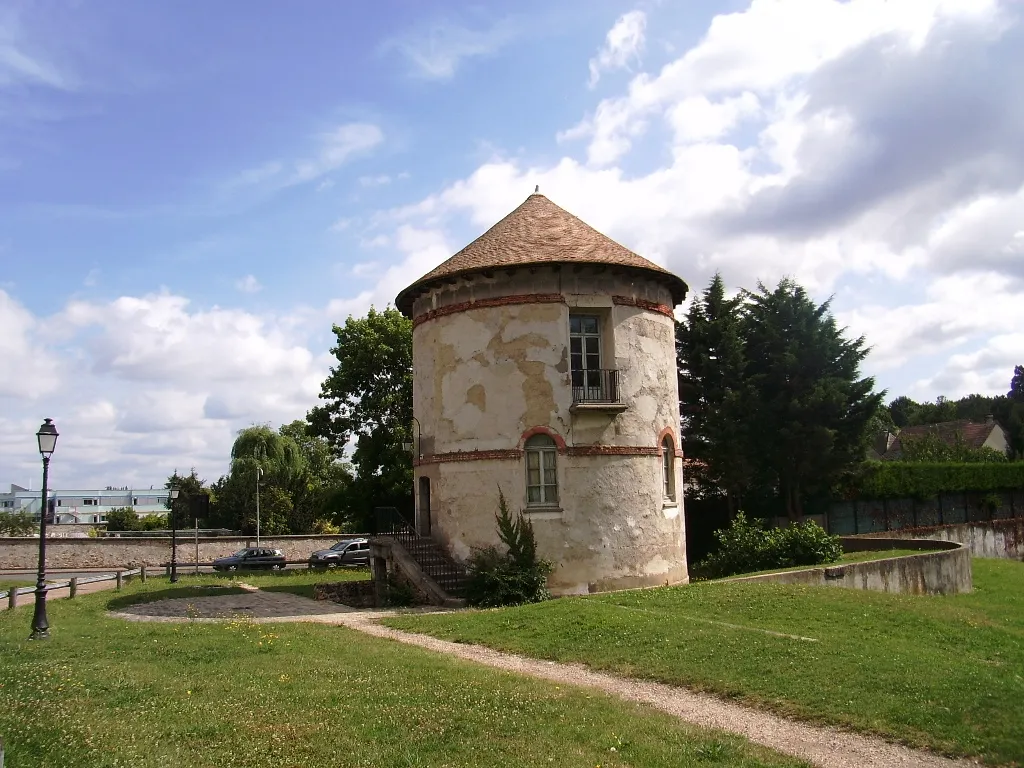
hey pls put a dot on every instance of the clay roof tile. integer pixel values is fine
(539, 232)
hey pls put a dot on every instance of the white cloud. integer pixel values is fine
(148, 384)
(248, 284)
(846, 153)
(21, 64)
(436, 52)
(622, 45)
(334, 148)
(420, 250)
(30, 370)
(374, 181)
(763, 49)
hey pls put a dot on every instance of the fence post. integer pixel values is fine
(12, 598)
(167, 571)
(73, 588)
(119, 579)
(142, 575)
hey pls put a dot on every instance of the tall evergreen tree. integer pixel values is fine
(1014, 420)
(714, 395)
(811, 407)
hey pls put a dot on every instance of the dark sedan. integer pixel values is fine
(251, 558)
(351, 552)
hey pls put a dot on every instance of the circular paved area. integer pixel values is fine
(255, 604)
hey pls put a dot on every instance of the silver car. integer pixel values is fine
(349, 552)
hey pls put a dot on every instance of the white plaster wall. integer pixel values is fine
(483, 376)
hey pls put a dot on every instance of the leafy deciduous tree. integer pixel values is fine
(368, 398)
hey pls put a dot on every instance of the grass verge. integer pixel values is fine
(945, 673)
(104, 692)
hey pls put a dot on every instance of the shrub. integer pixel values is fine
(16, 524)
(123, 519)
(513, 577)
(152, 523)
(899, 479)
(747, 546)
(325, 527)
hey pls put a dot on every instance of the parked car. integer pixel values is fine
(349, 552)
(251, 557)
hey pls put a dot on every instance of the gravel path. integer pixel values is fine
(822, 746)
(825, 747)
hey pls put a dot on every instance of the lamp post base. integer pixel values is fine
(40, 624)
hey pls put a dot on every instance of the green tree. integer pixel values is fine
(903, 411)
(368, 400)
(322, 496)
(123, 519)
(811, 407)
(16, 523)
(714, 394)
(1013, 420)
(179, 511)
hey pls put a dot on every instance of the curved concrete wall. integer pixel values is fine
(942, 568)
(995, 538)
(491, 364)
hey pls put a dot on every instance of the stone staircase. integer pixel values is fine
(435, 562)
(430, 558)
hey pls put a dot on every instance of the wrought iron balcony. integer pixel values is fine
(596, 386)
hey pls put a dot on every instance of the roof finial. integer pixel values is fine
(536, 190)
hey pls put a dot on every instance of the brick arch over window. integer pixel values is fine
(671, 434)
(559, 440)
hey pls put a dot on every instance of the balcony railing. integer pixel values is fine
(596, 385)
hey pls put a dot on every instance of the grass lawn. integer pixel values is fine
(104, 692)
(940, 672)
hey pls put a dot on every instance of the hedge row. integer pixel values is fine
(896, 479)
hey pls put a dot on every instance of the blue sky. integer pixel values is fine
(191, 193)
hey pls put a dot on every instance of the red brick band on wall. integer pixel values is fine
(612, 450)
(499, 301)
(515, 454)
(652, 306)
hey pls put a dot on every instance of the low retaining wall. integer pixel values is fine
(23, 553)
(942, 568)
(995, 538)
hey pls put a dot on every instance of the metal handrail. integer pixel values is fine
(429, 556)
(595, 385)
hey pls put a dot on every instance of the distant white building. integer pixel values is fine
(85, 506)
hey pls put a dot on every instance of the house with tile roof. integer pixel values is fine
(987, 434)
(544, 365)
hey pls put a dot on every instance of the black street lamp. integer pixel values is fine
(47, 438)
(172, 493)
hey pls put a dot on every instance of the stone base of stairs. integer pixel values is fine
(388, 555)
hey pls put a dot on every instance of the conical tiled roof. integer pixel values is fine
(539, 232)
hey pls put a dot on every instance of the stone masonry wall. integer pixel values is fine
(23, 553)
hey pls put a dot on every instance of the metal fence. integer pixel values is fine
(848, 518)
(72, 584)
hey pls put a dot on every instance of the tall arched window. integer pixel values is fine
(541, 481)
(668, 468)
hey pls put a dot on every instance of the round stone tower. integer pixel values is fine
(544, 365)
